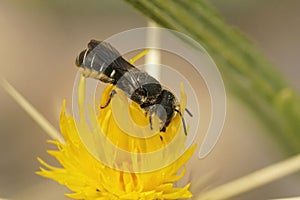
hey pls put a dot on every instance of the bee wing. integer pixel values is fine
(134, 79)
(131, 77)
(129, 82)
(109, 55)
(104, 53)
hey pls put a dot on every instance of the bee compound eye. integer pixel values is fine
(160, 112)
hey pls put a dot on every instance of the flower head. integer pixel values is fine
(85, 173)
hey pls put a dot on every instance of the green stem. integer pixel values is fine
(247, 73)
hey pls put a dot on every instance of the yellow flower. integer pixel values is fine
(92, 179)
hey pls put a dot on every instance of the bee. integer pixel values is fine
(103, 62)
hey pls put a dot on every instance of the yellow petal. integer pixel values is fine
(89, 178)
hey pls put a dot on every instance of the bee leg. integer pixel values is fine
(161, 138)
(150, 120)
(113, 92)
(106, 79)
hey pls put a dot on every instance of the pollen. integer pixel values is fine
(92, 170)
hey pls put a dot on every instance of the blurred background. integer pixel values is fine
(39, 41)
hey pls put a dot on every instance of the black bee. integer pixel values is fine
(103, 62)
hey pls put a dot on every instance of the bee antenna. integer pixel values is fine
(183, 122)
(189, 112)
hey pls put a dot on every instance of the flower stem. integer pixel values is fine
(247, 73)
(34, 114)
(153, 58)
(253, 180)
